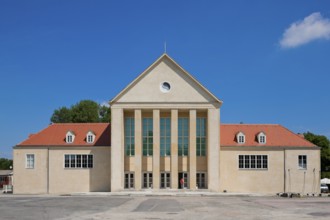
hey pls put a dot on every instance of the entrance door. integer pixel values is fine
(183, 184)
(201, 180)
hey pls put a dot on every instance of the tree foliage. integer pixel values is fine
(6, 164)
(82, 112)
(323, 142)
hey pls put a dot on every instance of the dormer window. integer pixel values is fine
(90, 137)
(69, 137)
(261, 138)
(240, 138)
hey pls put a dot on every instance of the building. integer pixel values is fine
(165, 133)
(5, 178)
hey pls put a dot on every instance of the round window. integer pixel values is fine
(165, 87)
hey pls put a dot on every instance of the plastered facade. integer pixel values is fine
(186, 98)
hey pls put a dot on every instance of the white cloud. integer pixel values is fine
(313, 27)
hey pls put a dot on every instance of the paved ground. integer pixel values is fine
(162, 207)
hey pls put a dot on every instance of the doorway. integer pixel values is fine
(183, 184)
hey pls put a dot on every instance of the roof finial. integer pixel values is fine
(165, 47)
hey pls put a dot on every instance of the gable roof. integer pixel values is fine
(277, 136)
(55, 134)
(161, 58)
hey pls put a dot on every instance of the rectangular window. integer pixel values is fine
(129, 136)
(78, 161)
(262, 139)
(129, 180)
(201, 180)
(147, 135)
(90, 138)
(147, 180)
(165, 180)
(183, 136)
(201, 137)
(69, 139)
(29, 161)
(165, 137)
(302, 161)
(253, 162)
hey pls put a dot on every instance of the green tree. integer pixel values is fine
(323, 142)
(85, 111)
(6, 164)
(82, 112)
(104, 113)
(62, 115)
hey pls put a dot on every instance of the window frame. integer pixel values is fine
(147, 137)
(69, 138)
(183, 136)
(28, 164)
(129, 136)
(201, 137)
(85, 161)
(253, 161)
(302, 162)
(131, 181)
(90, 135)
(165, 137)
(198, 177)
(165, 181)
(148, 184)
(262, 138)
(240, 137)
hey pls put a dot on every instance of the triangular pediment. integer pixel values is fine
(165, 82)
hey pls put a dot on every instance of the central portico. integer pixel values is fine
(165, 126)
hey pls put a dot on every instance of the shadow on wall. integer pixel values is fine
(99, 176)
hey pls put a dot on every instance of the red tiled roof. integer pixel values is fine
(276, 136)
(55, 134)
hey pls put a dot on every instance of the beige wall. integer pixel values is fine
(31, 181)
(302, 180)
(271, 180)
(144, 98)
(183, 89)
(59, 179)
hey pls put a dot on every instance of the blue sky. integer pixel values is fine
(269, 61)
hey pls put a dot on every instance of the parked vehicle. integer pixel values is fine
(324, 188)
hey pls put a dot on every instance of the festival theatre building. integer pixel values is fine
(165, 134)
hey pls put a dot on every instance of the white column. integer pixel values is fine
(213, 149)
(174, 149)
(117, 150)
(192, 149)
(138, 148)
(156, 150)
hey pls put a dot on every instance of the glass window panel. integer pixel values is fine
(253, 161)
(258, 161)
(241, 161)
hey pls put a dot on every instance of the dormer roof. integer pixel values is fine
(55, 135)
(277, 136)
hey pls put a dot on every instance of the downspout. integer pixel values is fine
(47, 170)
(284, 171)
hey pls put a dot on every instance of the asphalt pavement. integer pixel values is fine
(151, 206)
